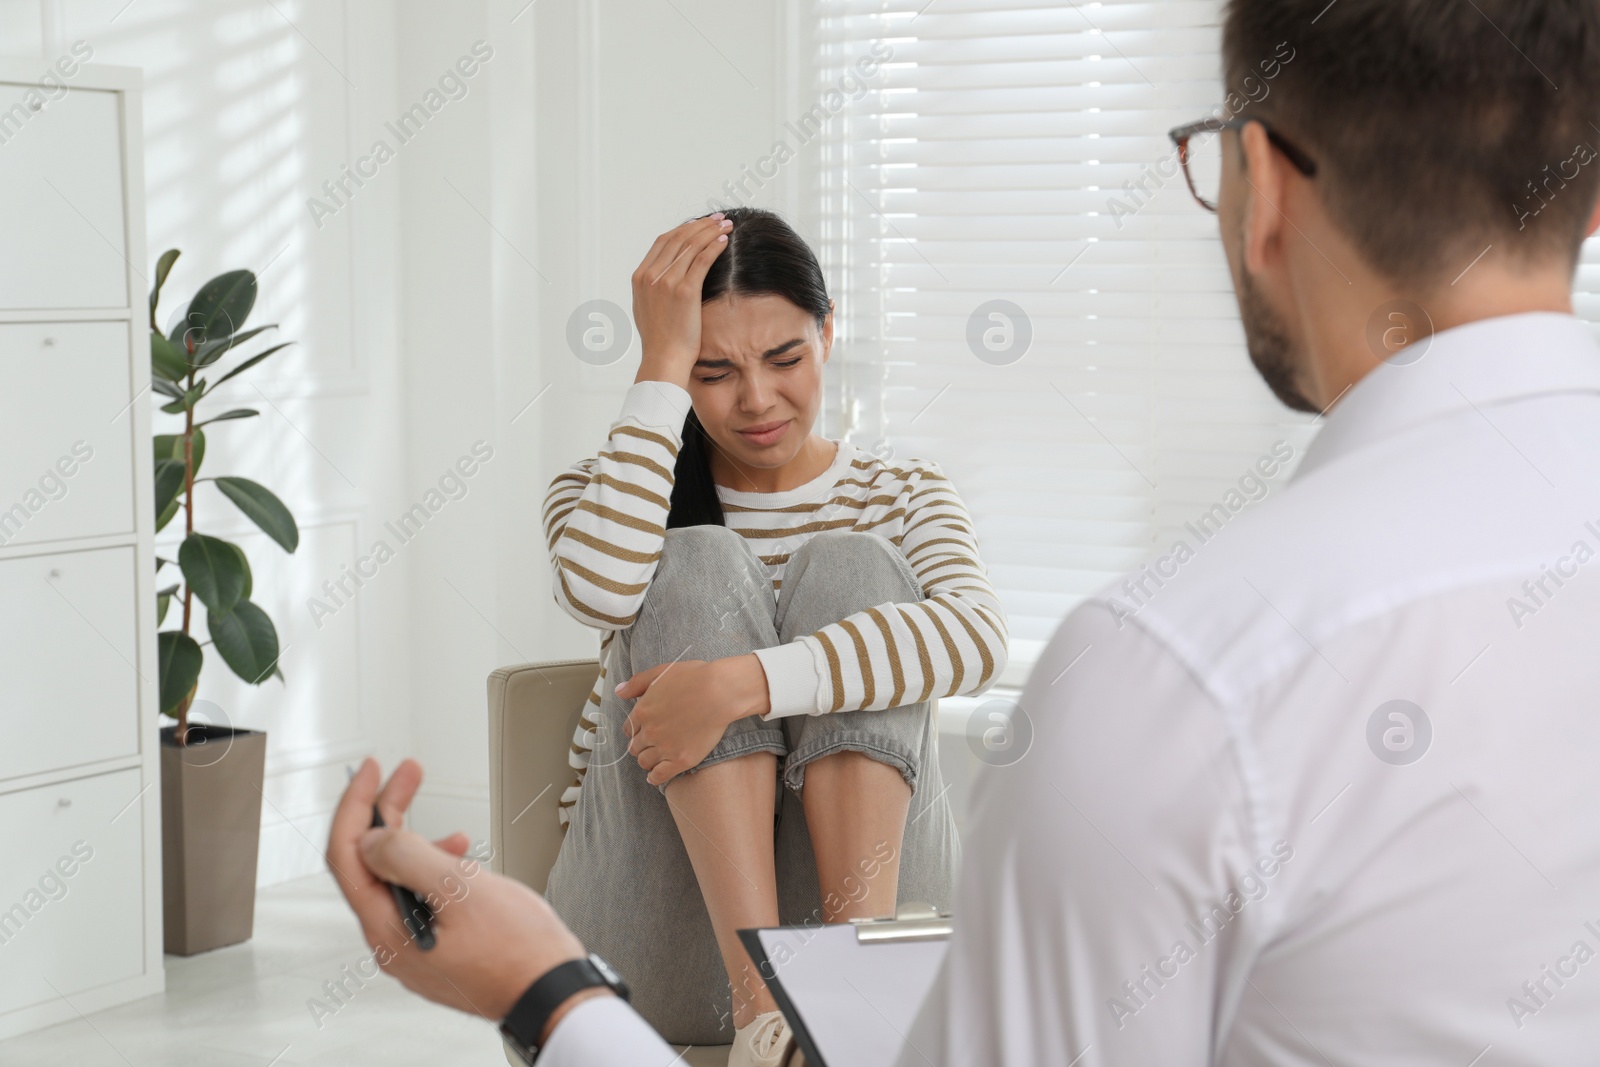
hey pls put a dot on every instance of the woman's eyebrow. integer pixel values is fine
(768, 354)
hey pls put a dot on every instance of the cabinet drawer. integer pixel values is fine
(68, 650)
(66, 431)
(71, 888)
(61, 179)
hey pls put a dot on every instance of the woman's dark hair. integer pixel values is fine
(764, 255)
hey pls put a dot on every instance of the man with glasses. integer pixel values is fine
(1333, 795)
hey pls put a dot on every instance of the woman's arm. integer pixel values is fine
(952, 642)
(605, 518)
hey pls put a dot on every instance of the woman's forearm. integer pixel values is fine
(606, 518)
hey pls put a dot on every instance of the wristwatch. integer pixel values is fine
(525, 1022)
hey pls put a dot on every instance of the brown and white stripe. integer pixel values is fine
(605, 520)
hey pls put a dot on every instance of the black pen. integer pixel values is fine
(413, 909)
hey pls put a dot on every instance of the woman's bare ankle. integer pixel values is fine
(746, 1008)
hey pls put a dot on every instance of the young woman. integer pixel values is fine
(778, 611)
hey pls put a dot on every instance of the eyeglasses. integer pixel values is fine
(1200, 152)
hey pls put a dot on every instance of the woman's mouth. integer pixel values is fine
(766, 434)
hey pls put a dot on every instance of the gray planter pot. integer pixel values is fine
(210, 835)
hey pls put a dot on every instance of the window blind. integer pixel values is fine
(1016, 150)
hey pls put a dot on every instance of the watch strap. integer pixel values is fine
(527, 1018)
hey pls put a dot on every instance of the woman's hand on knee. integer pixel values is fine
(682, 709)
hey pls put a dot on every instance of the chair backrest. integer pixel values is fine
(533, 712)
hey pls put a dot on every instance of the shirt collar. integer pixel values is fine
(1487, 362)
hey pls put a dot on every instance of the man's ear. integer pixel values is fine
(1264, 222)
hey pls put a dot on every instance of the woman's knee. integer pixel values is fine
(839, 572)
(711, 563)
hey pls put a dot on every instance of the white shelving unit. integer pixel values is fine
(80, 830)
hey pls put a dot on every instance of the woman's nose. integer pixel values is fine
(754, 396)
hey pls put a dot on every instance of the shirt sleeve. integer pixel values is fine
(951, 642)
(1100, 904)
(606, 1032)
(605, 518)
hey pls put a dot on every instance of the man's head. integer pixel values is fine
(1447, 136)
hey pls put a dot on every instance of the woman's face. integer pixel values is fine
(757, 385)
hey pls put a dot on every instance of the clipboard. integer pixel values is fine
(850, 991)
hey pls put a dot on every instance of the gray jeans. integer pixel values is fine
(623, 881)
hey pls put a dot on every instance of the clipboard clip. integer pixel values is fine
(913, 921)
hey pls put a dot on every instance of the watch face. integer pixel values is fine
(612, 978)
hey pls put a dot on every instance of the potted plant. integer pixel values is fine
(211, 773)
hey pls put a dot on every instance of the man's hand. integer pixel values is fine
(494, 936)
(683, 708)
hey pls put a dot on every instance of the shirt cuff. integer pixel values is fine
(605, 1030)
(659, 404)
(793, 681)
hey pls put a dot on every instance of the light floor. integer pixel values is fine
(245, 1005)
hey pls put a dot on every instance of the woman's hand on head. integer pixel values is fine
(682, 709)
(666, 297)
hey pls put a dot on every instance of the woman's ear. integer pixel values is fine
(827, 333)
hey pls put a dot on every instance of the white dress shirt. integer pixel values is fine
(1326, 789)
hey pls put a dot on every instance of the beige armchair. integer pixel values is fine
(533, 711)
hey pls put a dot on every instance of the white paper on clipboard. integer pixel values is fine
(857, 1000)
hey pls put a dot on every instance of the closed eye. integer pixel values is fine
(784, 363)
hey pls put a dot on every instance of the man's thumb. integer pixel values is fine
(406, 859)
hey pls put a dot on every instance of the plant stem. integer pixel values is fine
(182, 732)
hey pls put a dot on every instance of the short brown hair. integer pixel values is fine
(1438, 126)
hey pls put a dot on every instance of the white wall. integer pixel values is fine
(249, 107)
(430, 309)
(601, 125)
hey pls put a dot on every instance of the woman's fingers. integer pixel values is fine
(639, 682)
(696, 274)
(664, 771)
(669, 247)
(677, 272)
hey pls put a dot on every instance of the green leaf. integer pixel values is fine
(161, 562)
(180, 658)
(163, 268)
(244, 564)
(247, 641)
(220, 307)
(168, 515)
(169, 483)
(213, 572)
(236, 413)
(252, 361)
(170, 446)
(262, 508)
(187, 400)
(165, 388)
(214, 349)
(163, 601)
(165, 359)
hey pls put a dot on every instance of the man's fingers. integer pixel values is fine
(407, 859)
(456, 844)
(396, 795)
(350, 820)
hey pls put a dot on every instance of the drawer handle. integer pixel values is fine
(64, 802)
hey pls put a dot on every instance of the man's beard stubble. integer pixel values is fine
(1271, 350)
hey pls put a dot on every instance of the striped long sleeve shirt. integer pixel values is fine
(605, 522)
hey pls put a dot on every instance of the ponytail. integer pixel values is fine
(694, 494)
